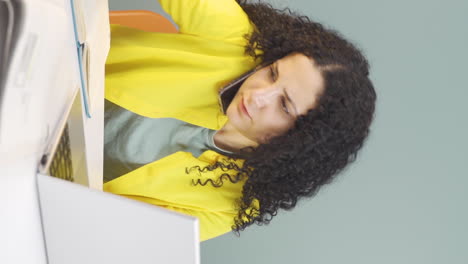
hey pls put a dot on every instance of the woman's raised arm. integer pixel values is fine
(216, 19)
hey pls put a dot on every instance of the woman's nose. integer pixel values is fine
(265, 95)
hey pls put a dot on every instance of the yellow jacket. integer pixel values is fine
(178, 75)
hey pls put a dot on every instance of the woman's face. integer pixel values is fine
(270, 100)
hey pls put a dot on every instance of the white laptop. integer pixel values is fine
(82, 225)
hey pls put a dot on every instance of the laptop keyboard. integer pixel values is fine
(61, 165)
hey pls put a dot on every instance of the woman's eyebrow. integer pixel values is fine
(286, 91)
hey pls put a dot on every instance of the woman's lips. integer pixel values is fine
(243, 109)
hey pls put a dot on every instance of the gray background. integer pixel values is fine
(405, 199)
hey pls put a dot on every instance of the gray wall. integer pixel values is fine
(406, 198)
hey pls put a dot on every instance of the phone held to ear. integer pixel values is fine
(227, 93)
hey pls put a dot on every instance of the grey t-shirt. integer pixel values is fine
(131, 140)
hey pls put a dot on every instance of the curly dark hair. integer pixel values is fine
(323, 141)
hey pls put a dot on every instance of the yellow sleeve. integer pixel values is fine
(215, 19)
(166, 184)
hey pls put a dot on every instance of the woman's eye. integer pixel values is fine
(272, 73)
(284, 105)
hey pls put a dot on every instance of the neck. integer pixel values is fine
(230, 139)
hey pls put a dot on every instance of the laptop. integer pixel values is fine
(82, 225)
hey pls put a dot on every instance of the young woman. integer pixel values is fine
(299, 117)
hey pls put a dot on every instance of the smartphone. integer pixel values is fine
(227, 93)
